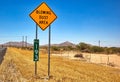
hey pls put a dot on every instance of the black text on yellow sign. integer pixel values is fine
(43, 16)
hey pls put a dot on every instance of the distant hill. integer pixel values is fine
(66, 43)
(20, 44)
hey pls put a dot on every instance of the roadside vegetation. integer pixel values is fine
(84, 47)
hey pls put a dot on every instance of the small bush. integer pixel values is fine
(79, 55)
(118, 54)
(111, 64)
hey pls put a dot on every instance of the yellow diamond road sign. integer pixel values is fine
(43, 16)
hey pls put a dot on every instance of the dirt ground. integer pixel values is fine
(110, 60)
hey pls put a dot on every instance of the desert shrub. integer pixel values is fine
(96, 49)
(79, 55)
(30, 48)
(111, 64)
(55, 48)
(118, 54)
(83, 47)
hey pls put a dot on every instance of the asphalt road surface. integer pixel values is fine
(2, 54)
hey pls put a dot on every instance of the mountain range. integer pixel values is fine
(20, 44)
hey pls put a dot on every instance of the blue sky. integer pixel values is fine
(78, 21)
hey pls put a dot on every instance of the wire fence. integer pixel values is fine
(103, 59)
(111, 60)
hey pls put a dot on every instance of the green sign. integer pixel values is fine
(36, 49)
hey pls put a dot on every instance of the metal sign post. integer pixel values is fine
(43, 16)
(36, 50)
(49, 51)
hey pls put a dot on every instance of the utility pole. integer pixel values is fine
(22, 41)
(26, 41)
(99, 43)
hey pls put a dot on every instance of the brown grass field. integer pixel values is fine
(18, 66)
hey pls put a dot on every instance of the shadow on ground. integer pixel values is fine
(2, 54)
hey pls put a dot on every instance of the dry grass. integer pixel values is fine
(62, 69)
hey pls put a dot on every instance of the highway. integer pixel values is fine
(2, 53)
